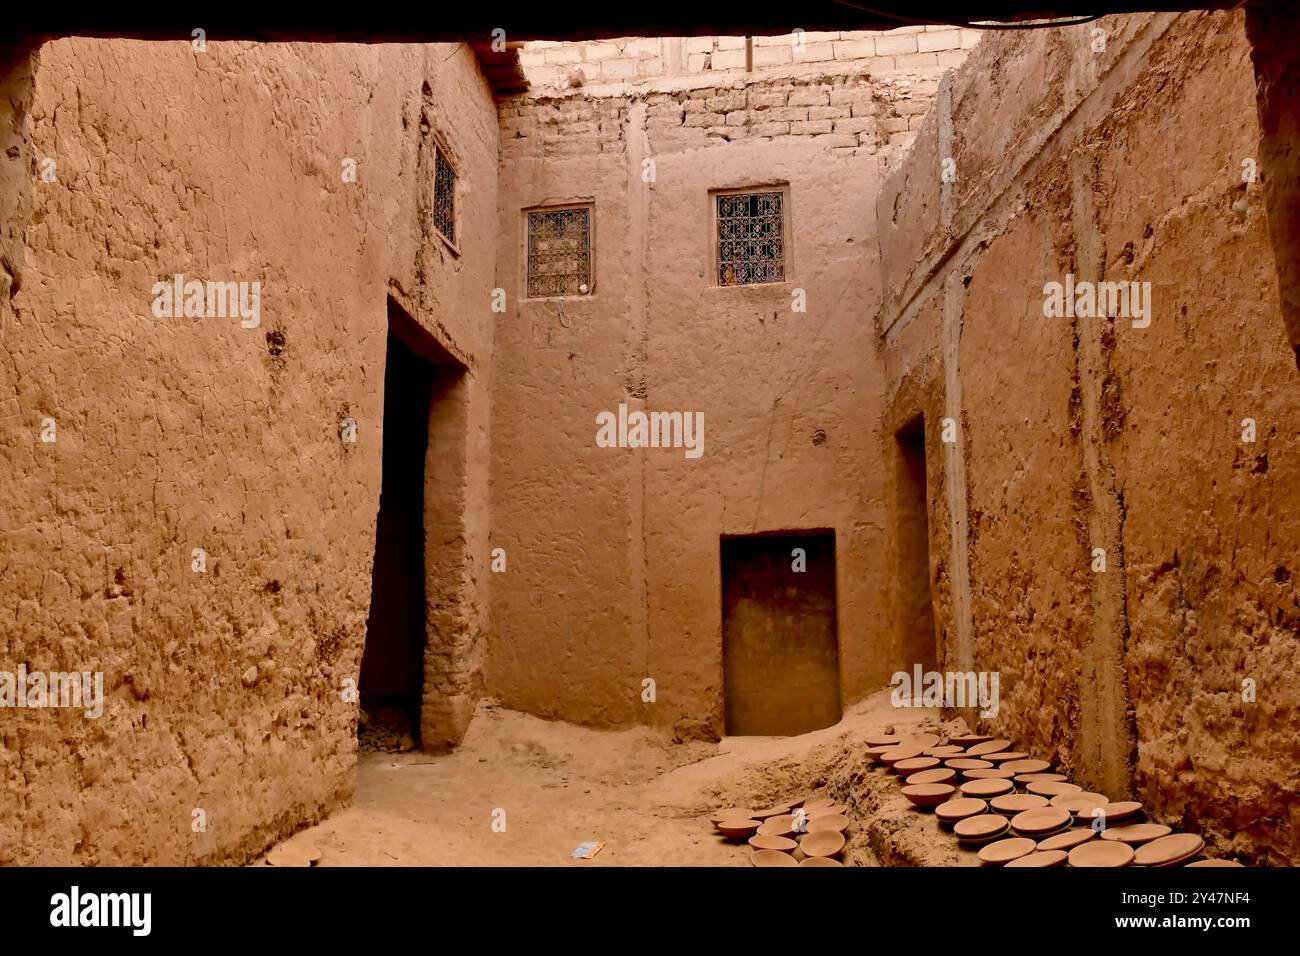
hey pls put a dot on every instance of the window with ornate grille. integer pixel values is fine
(559, 251)
(751, 237)
(444, 196)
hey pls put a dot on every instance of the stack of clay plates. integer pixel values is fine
(1041, 822)
(1002, 852)
(1101, 853)
(1172, 850)
(984, 828)
(1135, 834)
(961, 808)
(994, 774)
(984, 789)
(1009, 804)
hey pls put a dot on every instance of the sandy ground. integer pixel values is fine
(560, 785)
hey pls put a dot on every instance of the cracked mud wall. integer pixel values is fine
(1074, 434)
(223, 688)
(615, 571)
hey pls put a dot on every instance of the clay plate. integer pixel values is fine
(873, 754)
(924, 741)
(937, 775)
(741, 829)
(839, 823)
(1068, 839)
(1041, 777)
(981, 829)
(1041, 858)
(929, 794)
(1101, 853)
(986, 788)
(1001, 852)
(782, 826)
(1170, 850)
(1115, 812)
(834, 809)
(731, 813)
(1009, 804)
(822, 843)
(997, 745)
(776, 811)
(960, 809)
(1042, 820)
(948, 751)
(993, 774)
(1215, 863)
(915, 765)
(290, 856)
(1135, 834)
(884, 740)
(903, 752)
(814, 802)
(771, 858)
(1005, 756)
(1026, 766)
(819, 861)
(1080, 804)
(969, 740)
(760, 841)
(1052, 788)
(967, 763)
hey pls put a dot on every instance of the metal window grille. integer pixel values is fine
(751, 238)
(444, 197)
(559, 252)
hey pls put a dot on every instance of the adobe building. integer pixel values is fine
(528, 378)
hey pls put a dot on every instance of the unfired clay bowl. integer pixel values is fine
(771, 858)
(1042, 820)
(731, 813)
(781, 826)
(915, 765)
(1041, 858)
(997, 745)
(929, 794)
(1002, 852)
(1135, 834)
(839, 823)
(993, 774)
(1026, 766)
(1009, 804)
(981, 829)
(819, 861)
(1101, 853)
(1068, 839)
(1169, 850)
(960, 809)
(1053, 788)
(967, 763)
(822, 843)
(760, 841)
(739, 829)
(937, 775)
(986, 788)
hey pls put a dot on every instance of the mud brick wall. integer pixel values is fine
(1168, 677)
(224, 688)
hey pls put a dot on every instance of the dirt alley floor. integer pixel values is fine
(647, 798)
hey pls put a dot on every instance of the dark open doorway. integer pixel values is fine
(916, 639)
(780, 650)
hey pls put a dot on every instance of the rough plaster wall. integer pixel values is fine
(223, 688)
(1126, 166)
(614, 569)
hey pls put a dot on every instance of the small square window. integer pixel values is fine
(444, 196)
(751, 237)
(559, 251)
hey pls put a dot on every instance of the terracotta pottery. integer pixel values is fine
(1063, 828)
(1080, 804)
(819, 861)
(1026, 766)
(1124, 810)
(839, 823)
(833, 810)
(1052, 788)
(822, 843)
(731, 813)
(981, 829)
(1135, 834)
(1009, 804)
(775, 811)
(771, 858)
(1101, 853)
(1001, 852)
(937, 775)
(993, 774)
(924, 741)
(1215, 863)
(959, 809)
(929, 794)
(873, 754)
(813, 803)
(289, 856)
(741, 829)
(1067, 839)
(1041, 777)
(1041, 820)
(986, 788)
(782, 826)
(895, 754)
(915, 765)
(1005, 756)
(967, 763)
(969, 740)
(997, 745)
(1041, 858)
(792, 804)
(1170, 850)
(883, 740)
(760, 842)
(948, 751)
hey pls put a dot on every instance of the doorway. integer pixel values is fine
(916, 638)
(780, 648)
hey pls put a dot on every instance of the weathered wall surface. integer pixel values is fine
(223, 688)
(1122, 163)
(599, 63)
(614, 572)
